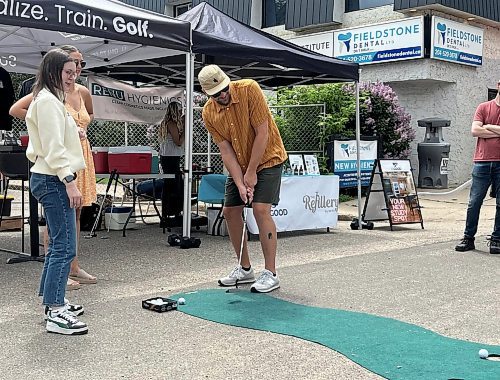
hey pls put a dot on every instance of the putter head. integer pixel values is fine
(235, 289)
(90, 236)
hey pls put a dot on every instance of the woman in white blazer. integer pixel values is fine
(55, 150)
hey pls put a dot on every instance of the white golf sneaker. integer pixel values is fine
(64, 322)
(266, 282)
(238, 273)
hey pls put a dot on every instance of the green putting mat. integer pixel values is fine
(390, 348)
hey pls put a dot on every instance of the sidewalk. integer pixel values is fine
(408, 274)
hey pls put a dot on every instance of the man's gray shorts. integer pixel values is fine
(267, 189)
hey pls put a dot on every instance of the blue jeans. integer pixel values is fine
(484, 174)
(61, 225)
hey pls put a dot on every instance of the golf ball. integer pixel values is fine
(181, 301)
(483, 354)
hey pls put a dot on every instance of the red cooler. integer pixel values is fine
(100, 156)
(130, 159)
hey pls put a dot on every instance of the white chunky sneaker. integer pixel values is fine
(64, 322)
(238, 273)
(75, 309)
(266, 282)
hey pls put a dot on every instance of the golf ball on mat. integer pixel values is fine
(483, 354)
(181, 301)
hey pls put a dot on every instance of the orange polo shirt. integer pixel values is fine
(236, 122)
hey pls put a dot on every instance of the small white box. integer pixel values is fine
(115, 218)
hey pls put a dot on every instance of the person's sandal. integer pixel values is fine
(83, 277)
(72, 284)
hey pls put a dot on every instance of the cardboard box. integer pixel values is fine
(10, 223)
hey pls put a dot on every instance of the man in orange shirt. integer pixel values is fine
(241, 124)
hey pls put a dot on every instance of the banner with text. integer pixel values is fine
(345, 165)
(104, 19)
(319, 42)
(385, 42)
(306, 202)
(114, 100)
(456, 42)
(400, 191)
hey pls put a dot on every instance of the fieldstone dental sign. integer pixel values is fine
(114, 100)
(456, 42)
(345, 162)
(384, 42)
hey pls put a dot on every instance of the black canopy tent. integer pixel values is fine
(152, 52)
(242, 52)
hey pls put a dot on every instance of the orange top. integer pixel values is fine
(236, 122)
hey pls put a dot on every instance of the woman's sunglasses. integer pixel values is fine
(81, 63)
(217, 94)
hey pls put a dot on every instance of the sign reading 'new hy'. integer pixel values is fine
(384, 42)
(456, 42)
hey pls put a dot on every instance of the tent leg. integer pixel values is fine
(358, 154)
(188, 147)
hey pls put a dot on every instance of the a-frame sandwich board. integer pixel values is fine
(392, 194)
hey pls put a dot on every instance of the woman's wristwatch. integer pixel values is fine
(68, 179)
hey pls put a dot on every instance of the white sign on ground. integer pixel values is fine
(306, 202)
(345, 161)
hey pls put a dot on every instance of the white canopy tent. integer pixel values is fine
(107, 32)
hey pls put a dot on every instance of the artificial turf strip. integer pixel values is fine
(387, 347)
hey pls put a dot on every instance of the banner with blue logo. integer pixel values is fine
(344, 161)
(385, 42)
(456, 42)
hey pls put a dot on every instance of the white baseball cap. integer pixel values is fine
(212, 79)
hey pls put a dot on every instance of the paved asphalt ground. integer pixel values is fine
(409, 274)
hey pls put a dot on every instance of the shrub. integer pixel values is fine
(380, 113)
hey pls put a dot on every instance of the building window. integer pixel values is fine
(181, 8)
(273, 12)
(492, 93)
(356, 5)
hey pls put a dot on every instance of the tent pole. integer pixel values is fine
(188, 146)
(358, 155)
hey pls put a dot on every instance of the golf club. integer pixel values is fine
(92, 232)
(236, 289)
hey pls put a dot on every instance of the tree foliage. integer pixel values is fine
(380, 114)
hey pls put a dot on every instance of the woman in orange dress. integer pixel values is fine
(78, 102)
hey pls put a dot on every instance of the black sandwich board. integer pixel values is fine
(392, 194)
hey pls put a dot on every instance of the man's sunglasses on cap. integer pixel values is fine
(217, 94)
(81, 63)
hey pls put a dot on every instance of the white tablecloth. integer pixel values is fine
(306, 202)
